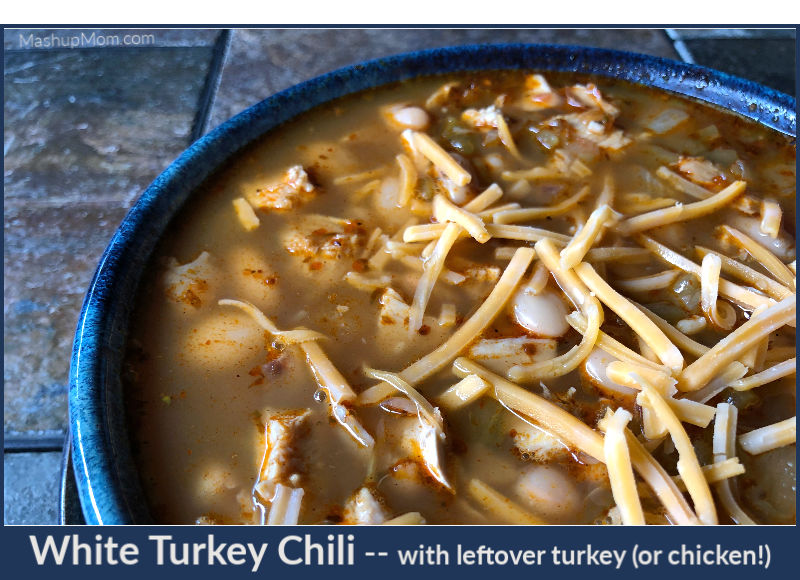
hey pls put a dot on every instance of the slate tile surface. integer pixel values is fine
(85, 131)
(30, 488)
(262, 62)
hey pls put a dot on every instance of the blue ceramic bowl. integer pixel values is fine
(107, 479)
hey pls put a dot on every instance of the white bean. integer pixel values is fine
(782, 245)
(549, 491)
(543, 314)
(595, 366)
(411, 118)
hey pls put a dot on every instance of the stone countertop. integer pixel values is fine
(92, 117)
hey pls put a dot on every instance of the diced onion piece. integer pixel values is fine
(620, 471)
(448, 314)
(682, 212)
(466, 333)
(666, 120)
(561, 424)
(688, 464)
(733, 346)
(586, 237)
(537, 213)
(770, 218)
(724, 449)
(724, 317)
(356, 177)
(762, 255)
(667, 352)
(499, 505)
(770, 437)
(247, 216)
(464, 392)
(504, 252)
(778, 371)
(368, 283)
(445, 211)
(439, 157)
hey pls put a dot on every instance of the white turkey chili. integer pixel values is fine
(499, 297)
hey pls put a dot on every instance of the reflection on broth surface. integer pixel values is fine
(494, 298)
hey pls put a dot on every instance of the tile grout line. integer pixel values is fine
(32, 444)
(213, 79)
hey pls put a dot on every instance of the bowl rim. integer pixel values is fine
(107, 481)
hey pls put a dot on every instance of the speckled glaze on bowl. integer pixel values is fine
(107, 479)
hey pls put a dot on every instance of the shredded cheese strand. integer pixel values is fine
(667, 352)
(728, 289)
(296, 336)
(432, 268)
(538, 213)
(464, 392)
(569, 428)
(755, 278)
(432, 151)
(446, 211)
(770, 261)
(770, 437)
(466, 333)
(725, 317)
(566, 278)
(620, 471)
(730, 348)
(724, 449)
(778, 371)
(587, 236)
(682, 212)
(408, 180)
(688, 464)
(612, 346)
(569, 361)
